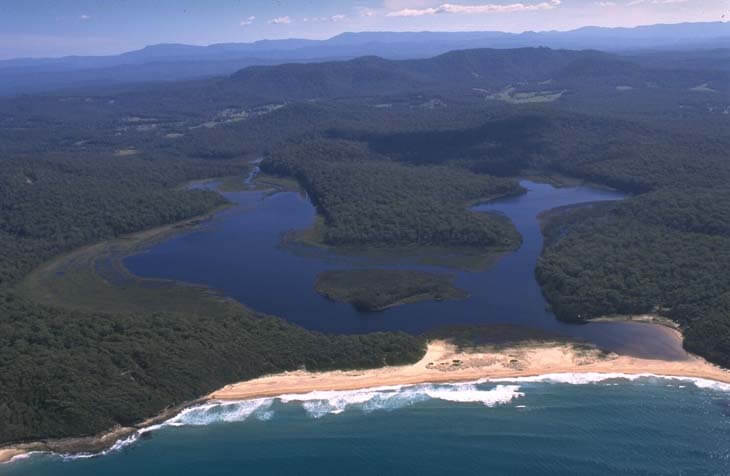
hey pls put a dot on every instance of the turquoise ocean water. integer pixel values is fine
(562, 425)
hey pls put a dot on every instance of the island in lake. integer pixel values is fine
(378, 289)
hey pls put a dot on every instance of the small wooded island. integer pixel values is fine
(372, 290)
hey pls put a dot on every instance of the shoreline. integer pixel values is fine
(96, 279)
(649, 318)
(443, 363)
(92, 445)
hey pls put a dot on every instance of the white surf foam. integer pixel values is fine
(321, 403)
(118, 445)
(469, 392)
(215, 411)
(706, 384)
(22, 456)
(318, 404)
(571, 378)
(597, 377)
(198, 415)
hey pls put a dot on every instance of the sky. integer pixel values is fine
(49, 28)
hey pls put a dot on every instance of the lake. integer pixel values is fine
(239, 253)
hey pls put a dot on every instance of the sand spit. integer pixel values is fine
(445, 363)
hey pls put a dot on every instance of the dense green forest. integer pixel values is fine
(48, 206)
(74, 373)
(368, 200)
(391, 153)
(664, 252)
(630, 156)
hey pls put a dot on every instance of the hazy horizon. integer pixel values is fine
(44, 28)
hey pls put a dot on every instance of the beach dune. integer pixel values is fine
(8, 454)
(445, 362)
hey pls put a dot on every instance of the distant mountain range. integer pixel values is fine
(372, 75)
(166, 62)
(533, 74)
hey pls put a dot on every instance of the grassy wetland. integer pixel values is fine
(93, 278)
(372, 290)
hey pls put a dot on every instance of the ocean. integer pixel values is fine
(582, 424)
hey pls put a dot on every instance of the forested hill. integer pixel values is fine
(464, 69)
(633, 88)
(665, 252)
(366, 199)
(51, 205)
(373, 75)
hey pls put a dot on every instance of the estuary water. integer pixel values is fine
(554, 425)
(239, 253)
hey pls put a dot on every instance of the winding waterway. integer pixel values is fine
(239, 254)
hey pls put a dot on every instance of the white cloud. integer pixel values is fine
(366, 12)
(401, 4)
(333, 18)
(248, 21)
(412, 12)
(85, 17)
(655, 2)
(280, 21)
(475, 9)
(606, 4)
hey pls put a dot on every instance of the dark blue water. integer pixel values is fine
(647, 426)
(239, 254)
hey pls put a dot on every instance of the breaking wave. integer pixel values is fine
(318, 404)
(595, 377)
(213, 412)
(118, 445)
(199, 415)
(488, 392)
